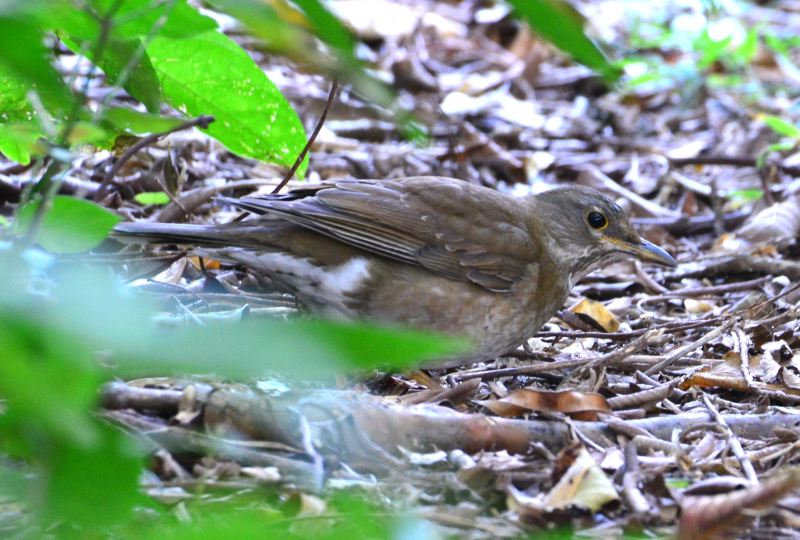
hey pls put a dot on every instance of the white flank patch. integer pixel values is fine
(347, 277)
(331, 283)
(326, 287)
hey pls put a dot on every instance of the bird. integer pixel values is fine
(429, 253)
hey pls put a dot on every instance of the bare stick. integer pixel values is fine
(311, 139)
(728, 160)
(683, 351)
(200, 121)
(733, 442)
(543, 367)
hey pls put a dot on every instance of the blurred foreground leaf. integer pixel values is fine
(291, 29)
(70, 225)
(49, 382)
(560, 24)
(83, 474)
(106, 315)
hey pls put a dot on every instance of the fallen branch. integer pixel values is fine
(366, 431)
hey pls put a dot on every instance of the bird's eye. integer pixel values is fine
(597, 220)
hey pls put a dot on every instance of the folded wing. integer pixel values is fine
(447, 226)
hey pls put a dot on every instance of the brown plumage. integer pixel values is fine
(423, 252)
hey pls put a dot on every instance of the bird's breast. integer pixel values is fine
(494, 322)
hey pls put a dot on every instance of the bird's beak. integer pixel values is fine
(644, 250)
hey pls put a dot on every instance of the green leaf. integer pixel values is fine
(136, 18)
(287, 32)
(14, 104)
(210, 74)
(744, 196)
(19, 125)
(139, 123)
(132, 18)
(141, 80)
(261, 19)
(70, 225)
(557, 22)
(18, 141)
(781, 126)
(33, 367)
(678, 483)
(748, 48)
(304, 350)
(151, 197)
(327, 26)
(23, 54)
(711, 50)
(782, 146)
(89, 133)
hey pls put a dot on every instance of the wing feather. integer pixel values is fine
(447, 226)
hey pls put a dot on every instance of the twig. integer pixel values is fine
(311, 139)
(648, 281)
(630, 482)
(716, 207)
(200, 121)
(643, 397)
(722, 289)
(729, 160)
(682, 225)
(733, 441)
(683, 351)
(744, 356)
(670, 327)
(601, 361)
(678, 326)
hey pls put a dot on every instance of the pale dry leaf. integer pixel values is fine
(598, 314)
(697, 306)
(777, 223)
(266, 475)
(583, 484)
(781, 221)
(377, 19)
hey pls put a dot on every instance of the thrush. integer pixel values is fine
(429, 253)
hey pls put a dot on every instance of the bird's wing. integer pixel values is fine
(438, 224)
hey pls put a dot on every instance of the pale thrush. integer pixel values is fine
(429, 253)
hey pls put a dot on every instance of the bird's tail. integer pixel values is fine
(237, 234)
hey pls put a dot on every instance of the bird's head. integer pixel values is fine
(585, 229)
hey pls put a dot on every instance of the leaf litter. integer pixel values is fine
(691, 375)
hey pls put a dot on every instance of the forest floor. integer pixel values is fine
(656, 401)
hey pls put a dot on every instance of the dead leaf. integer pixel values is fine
(597, 314)
(208, 264)
(578, 405)
(174, 273)
(697, 306)
(706, 379)
(763, 230)
(377, 19)
(724, 516)
(583, 485)
(777, 222)
(266, 475)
